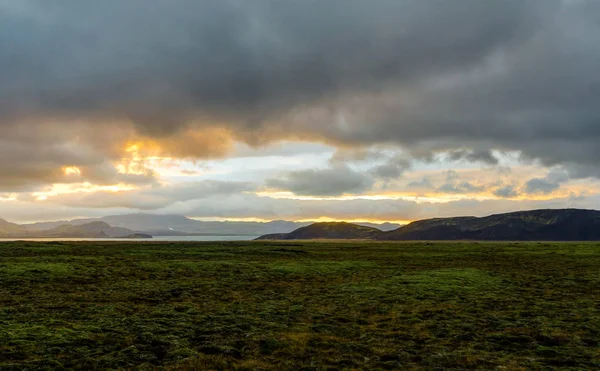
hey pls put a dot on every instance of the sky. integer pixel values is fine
(381, 110)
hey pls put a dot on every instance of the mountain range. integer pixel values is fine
(549, 225)
(151, 225)
(534, 225)
(179, 225)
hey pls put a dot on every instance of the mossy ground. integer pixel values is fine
(310, 306)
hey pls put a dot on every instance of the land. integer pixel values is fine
(335, 230)
(299, 305)
(95, 229)
(532, 225)
(148, 225)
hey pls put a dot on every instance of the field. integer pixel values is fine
(299, 306)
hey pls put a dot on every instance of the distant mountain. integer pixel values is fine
(179, 225)
(95, 229)
(8, 229)
(534, 225)
(333, 230)
(87, 230)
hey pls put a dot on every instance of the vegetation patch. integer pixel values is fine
(334, 306)
(35, 270)
(450, 281)
(319, 267)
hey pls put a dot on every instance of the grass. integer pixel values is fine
(299, 306)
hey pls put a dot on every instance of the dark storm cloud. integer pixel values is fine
(334, 181)
(427, 75)
(159, 61)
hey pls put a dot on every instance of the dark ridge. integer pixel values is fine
(333, 230)
(533, 225)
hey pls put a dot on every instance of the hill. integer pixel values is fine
(179, 225)
(332, 230)
(534, 225)
(95, 229)
(8, 229)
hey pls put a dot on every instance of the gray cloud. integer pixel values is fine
(460, 187)
(158, 62)
(547, 184)
(539, 185)
(334, 181)
(424, 183)
(429, 76)
(473, 156)
(392, 169)
(507, 191)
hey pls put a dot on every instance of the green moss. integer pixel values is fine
(451, 280)
(319, 267)
(263, 306)
(36, 270)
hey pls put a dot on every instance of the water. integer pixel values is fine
(155, 239)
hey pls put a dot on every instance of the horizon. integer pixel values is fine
(392, 111)
(302, 185)
(231, 220)
(316, 220)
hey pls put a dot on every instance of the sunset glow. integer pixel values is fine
(366, 117)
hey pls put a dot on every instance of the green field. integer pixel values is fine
(299, 306)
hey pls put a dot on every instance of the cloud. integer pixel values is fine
(461, 187)
(237, 200)
(82, 81)
(451, 175)
(240, 205)
(539, 185)
(170, 62)
(507, 191)
(474, 156)
(334, 181)
(549, 183)
(395, 71)
(152, 198)
(392, 169)
(32, 159)
(424, 183)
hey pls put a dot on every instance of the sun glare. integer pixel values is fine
(71, 170)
